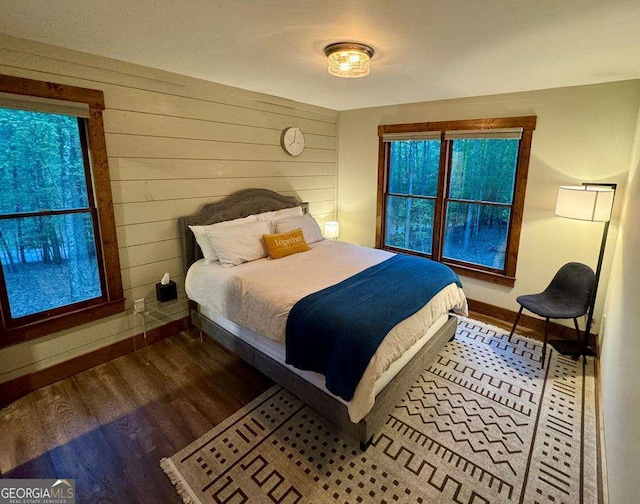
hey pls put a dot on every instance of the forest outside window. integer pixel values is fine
(454, 191)
(58, 250)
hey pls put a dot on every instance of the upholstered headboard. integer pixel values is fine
(238, 205)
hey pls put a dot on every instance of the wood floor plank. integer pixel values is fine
(39, 467)
(167, 357)
(205, 395)
(62, 412)
(196, 423)
(21, 438)
(150, 483)
(123, 423)
(228, 371)
(78, 449)
(158, 396)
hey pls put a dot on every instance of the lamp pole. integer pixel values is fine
(592, 303)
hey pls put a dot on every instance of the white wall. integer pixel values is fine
(620, 376)
(173, 143)
(583, 134)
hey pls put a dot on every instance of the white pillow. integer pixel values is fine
(276, 215)
(199, 232)
(310, 228)
(240, 243)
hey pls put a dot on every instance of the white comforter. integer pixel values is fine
(259, 295)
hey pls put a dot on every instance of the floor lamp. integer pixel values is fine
(588, 202)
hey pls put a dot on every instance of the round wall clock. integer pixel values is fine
(292, 141)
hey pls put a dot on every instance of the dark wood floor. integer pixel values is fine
(108, 427)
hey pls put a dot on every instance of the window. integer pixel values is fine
(58, 250)
(454, 191)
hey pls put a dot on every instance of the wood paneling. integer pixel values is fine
(147, 233)
(170, 169)
(138, 124)
(18, 387)
(154, 103)
(146, 253)
(173, 143)
(183, 148)
(148, 273)
(135, 191)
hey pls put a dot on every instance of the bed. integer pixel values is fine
(245, 308)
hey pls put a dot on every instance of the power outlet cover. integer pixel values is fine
(139, 305)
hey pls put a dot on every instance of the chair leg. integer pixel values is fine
(515, 323)
(544, 344)
(575, 322)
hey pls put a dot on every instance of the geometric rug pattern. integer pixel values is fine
(483, 424)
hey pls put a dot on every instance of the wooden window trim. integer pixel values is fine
(112, 301)
(528, 124)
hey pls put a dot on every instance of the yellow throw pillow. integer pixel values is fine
(284, 244)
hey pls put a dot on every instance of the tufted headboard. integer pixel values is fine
(241, 204)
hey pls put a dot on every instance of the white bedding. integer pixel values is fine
(259, 295)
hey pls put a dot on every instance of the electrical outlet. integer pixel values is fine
(139, 306)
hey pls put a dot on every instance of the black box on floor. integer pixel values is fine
(166, 292)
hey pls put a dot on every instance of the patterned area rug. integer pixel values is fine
(483, 424)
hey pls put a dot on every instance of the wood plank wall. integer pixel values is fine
(174, 143)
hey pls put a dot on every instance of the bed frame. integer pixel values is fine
(254, 201)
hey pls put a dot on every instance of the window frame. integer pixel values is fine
(507, 275)
(16, 330)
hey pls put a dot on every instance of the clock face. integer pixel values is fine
(292, 141)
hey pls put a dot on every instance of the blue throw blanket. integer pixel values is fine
(336, 331)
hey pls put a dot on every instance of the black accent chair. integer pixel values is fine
(567, 296)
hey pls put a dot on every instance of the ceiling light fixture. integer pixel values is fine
(348, 59)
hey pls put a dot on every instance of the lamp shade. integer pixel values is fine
(589, 203)
(331, 229)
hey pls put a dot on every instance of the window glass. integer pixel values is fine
(484, 169)
(49, 258)
(414, 166)
(48, 262)
(41, 162)
(409, 223)
(477, 233)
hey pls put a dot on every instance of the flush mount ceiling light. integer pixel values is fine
(348, 59)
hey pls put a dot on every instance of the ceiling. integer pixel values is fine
(425, 49)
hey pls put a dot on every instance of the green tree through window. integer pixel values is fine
(478, 207)
(413, 187)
